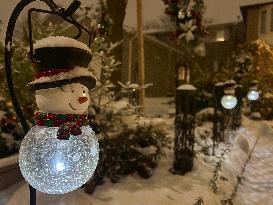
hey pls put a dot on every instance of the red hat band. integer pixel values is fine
(52, 72)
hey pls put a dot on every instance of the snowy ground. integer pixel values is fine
(165, 188)
(158, 106)
(257, 188)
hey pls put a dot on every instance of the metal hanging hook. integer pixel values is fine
(65, 14)
(71, 8)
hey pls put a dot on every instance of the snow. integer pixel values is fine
(9, 140)
(230, 82)
(256, 115)
(118, 106)
(165, 188)
(158, 106)
(186, 87)
(162, 188)
(4, 162)
(268, 95)
(147, 151)
(60, 41)
(135, 120)
(171, 111)
(76, 72)
(203, 132)
(258, 176)
(219, 84)
(205, 114)
(134, 86)
(153, 30)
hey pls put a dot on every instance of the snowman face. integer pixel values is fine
(68, 99)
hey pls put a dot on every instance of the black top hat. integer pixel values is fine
(61, 60)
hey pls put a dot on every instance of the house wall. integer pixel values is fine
(156, 69)
(222, 51)
(268, 36)
(163, 56)
(252, 24)
(160, 62)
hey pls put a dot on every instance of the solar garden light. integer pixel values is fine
(253, 92)
(229, 100)
(60, 153)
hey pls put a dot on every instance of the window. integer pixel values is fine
(263, 22)
(220, 35)
(181, 73)
(271, 20)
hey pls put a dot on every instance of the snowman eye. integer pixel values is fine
(72, 91)
(83, 91)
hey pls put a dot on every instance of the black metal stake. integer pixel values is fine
(218, 117)
(184, 131)
(236, 121)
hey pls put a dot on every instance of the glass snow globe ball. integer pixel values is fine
(229, 101)
(253, 95)
(56, 166)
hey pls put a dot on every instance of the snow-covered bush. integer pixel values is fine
(8, 145)
(218, 168)
(10, 130)
(134, 150)
(266, 106)
(205, 115)
(253, 61)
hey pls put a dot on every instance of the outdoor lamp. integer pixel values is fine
(60, 152)
(229, 100)
(253, 93)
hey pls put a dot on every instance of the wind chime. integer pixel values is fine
(60, 152)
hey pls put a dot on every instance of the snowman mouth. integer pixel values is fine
(71, 107)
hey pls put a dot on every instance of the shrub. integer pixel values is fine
(134, 150)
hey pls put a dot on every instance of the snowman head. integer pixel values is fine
(69, 99)
(62, 79)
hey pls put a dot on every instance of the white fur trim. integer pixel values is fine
(76, 72)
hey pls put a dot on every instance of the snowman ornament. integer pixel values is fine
(60, 153)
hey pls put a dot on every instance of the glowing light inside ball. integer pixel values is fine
(229, 101)
(253, 95)
(58, 166)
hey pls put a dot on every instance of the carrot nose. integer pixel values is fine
(82, 99)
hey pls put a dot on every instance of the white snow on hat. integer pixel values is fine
(60, 41)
